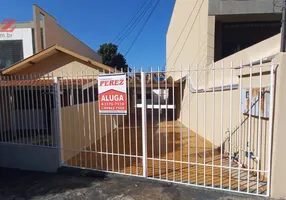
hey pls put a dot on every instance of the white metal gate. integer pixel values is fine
(207, 127)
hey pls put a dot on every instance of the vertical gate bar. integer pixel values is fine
(94, 122)
(124, 148)
(174, 148)
(45, 108)
(73, 117)
(259, 127)
(166, 113)
(88, 115)
(16, 124)
(152, 119)
(205, 125)
(57, 93)
(11, 131)
(78, 115)
(272, 93)
(45, 95)
(100, 137)
(34, 110)
(135, 97)
(181, 128)
(42, 110)
(144, 123)
(230, 123)
(33, 118)
(112, 149)
(159, 120)
(51, 95)
(249, 127)
(13, 109)
(197, 123)
(189, 123)
(83, 117)
(240, 124)
(221, 123)
(10, 110)
(20, 111)
(24, 108)
(37, 111)
(14, 102)
(8, 107)
(213, 126)
(16, 99)
(65, 86)
(48, 101)
(16, 108)
(68, 104)
(29, 109)
(118, 152)
(18, 121)
(129, 121)
(106, 142)
(63, 112)
(117, 139)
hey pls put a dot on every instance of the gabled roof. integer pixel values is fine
(46, 53)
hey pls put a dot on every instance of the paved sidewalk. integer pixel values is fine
(85, 185)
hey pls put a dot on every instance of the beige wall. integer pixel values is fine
(203, 123)
(59, 64)
(193, 44)
(278, 172)
(55, 34)
(82, 126)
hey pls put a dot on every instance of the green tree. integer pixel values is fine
(111, 57)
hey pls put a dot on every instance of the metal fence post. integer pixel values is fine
(144, 123)
(57, 115)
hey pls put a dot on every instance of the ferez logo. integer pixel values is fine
(7, 27)
(111, 82)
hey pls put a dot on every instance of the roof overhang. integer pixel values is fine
(47, 53)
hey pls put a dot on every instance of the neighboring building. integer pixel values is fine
(203, 31)
(34, 36)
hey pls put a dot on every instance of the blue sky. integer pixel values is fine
(99, 21)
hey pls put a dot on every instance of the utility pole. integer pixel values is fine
(283, 29)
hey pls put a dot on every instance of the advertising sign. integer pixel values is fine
(112, 94)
